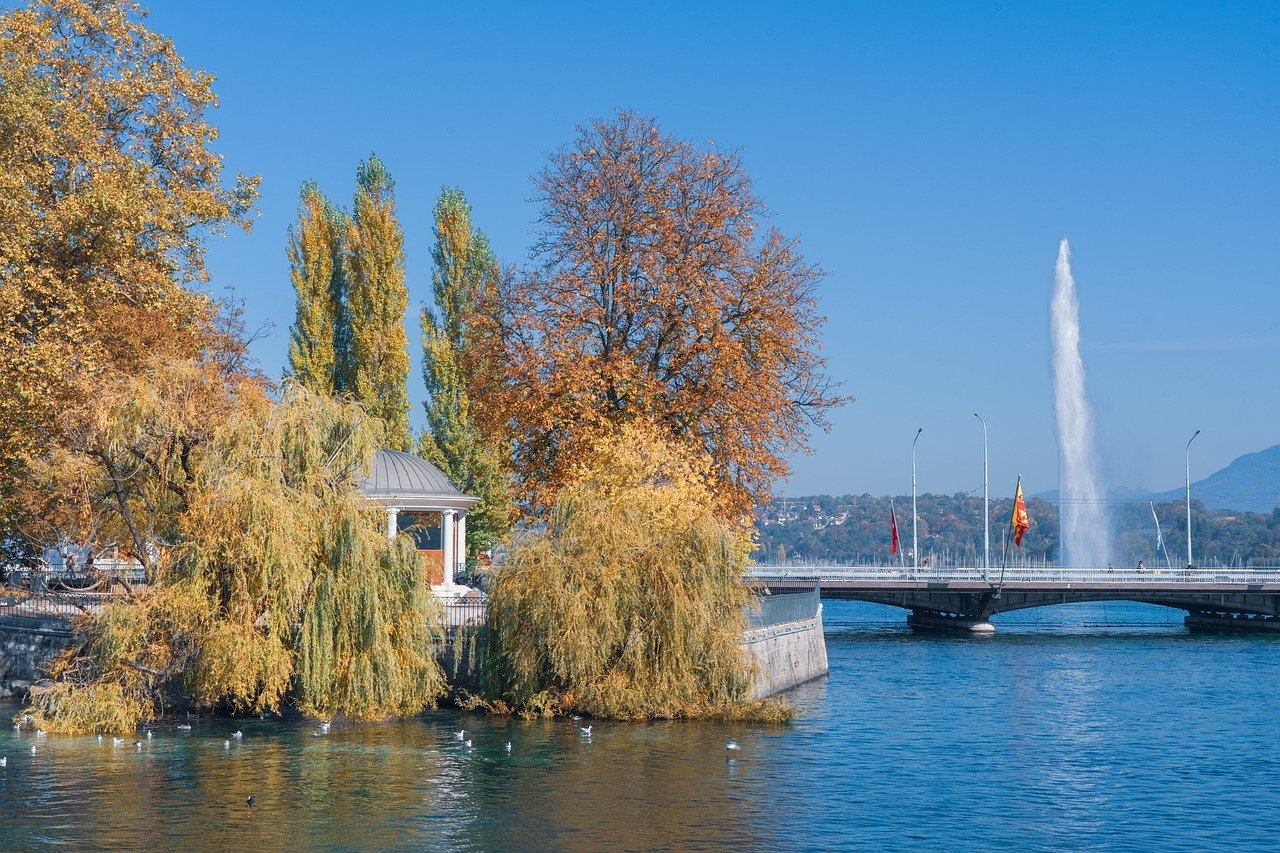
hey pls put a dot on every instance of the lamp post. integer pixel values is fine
(915, 546)
(1193, 438)
(986, 511)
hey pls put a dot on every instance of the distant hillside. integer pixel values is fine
(1249, 484)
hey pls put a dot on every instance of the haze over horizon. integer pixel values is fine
(928, 156)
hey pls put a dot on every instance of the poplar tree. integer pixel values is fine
(377, 298)
(319, 349)
(466, 272)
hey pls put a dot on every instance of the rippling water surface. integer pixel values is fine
(1086, 727)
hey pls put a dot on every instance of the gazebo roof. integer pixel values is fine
(403, 480)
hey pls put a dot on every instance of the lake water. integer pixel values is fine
(1085, 727)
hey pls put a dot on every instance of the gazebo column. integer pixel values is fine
(462, 540)
(446, 541)
(393, 522)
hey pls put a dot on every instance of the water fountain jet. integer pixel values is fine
(1085, 532)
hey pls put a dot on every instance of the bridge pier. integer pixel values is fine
(922, 621)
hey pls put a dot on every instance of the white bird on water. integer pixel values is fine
(226, 744)
(137, 744)
(586, 731)
(460, 735)
(148, 734)
(324, 727)
(184, 727)
(41, 733)
(732, 745)
(117, 741)
(33, 750)
(17, 727)
(468, 742)
(99, 738)
(4, 761)
(238, 734)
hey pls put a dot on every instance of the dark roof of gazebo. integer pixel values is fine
(402, 478)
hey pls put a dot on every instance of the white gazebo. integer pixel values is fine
(403, 483)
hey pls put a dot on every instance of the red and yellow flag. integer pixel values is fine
(1020, 520)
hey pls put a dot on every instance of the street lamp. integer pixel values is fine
(1193, 438)
(986, 511)
(915, 546)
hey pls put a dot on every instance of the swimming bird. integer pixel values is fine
(4, 761)
(249, 802)
(732, 745)
(324, 727)
(184, 727)
(33, 750)
(41, 733)
(137, 744)
(148, 734)
(508, 746)
(99, 738)
(17, 727)
(238, 734)
(117, 741)
(226, 744)
(586, 731)
(575, 718)
(460, 735)
(315, 734)
(468, 743)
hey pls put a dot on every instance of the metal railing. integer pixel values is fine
(1016, 574)
(784, 607)
(465, 612)
(50, 605)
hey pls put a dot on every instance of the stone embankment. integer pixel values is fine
(786, 641)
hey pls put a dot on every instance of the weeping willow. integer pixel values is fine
(630, 603)
(274, 583)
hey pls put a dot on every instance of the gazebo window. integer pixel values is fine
(422, 527)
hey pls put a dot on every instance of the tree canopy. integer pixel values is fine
(270, 578)
(108, 187)
(464, 278)
(655, 293)
(629, 603)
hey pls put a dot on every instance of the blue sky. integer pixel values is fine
(928, 155)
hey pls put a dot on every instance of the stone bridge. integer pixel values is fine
(966, 599)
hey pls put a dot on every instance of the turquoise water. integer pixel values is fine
(1087, 727)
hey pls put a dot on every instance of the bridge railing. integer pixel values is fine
(1031, 574)
(783, 607)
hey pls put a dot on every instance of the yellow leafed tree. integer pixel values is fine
(630, 603)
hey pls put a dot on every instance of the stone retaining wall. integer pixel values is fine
(787, 654)
(27, 645)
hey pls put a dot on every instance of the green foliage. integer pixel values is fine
(855, 529)
(465, 271)
(630, 603)
(319, 341)
(377, 298)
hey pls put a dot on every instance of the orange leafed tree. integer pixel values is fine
(656, 293)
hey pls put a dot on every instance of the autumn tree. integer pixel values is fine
(377, 299)
(628, 603)
(465, 277)
(319, 341)
(656, 293)
(271, 581)
(108, 186)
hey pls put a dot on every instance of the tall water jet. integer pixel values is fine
(1085, 533)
